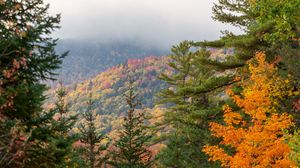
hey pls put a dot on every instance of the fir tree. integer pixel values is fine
(27, 58)
(131, 147)
(92, 139)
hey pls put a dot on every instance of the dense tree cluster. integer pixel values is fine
(268, 26)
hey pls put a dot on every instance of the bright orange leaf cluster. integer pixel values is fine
(258, 141)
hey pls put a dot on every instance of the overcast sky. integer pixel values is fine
(157, 22)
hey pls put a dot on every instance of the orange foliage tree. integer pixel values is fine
(257, 141)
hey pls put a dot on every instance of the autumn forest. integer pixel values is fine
(233, 102)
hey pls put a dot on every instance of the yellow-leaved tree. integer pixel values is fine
(256, 131)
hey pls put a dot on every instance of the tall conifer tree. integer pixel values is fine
(270, 26)
(264, 27)
(131, 147)
(92, 138)
(27, 57)
(52, 139)
(188, 111)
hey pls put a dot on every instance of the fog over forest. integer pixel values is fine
(152, 22)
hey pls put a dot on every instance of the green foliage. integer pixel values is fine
(92, 139)
(52, 138)
(271, 26)
(131, 147)
(27, 57)
(268, 26)
(189, 107)
(284, 15)
(293, 140)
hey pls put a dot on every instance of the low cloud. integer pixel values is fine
(156, 22)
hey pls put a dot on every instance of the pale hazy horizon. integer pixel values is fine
(156, 22)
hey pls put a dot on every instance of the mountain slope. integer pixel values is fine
(108, 87)
(87, 59)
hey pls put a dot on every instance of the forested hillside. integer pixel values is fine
(87, 58)
(108, 87)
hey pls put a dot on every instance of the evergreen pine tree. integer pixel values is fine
(263, 25)
(131, 147)
(188, 111)
(275, 36)
(27, 58)
(270, 26)
(92, 138)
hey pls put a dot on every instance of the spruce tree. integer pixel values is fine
(52, 139)
(27, 57)
(131, 149)
(92, 138)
